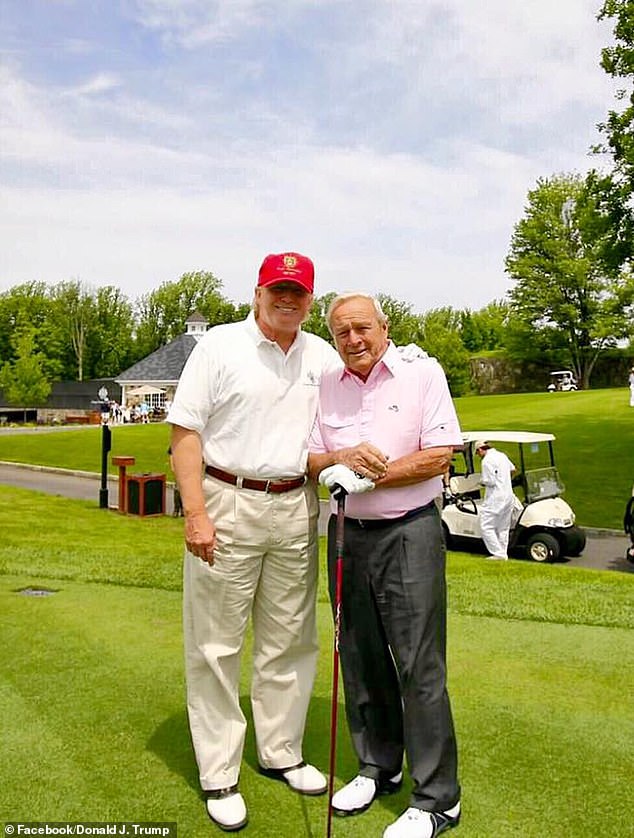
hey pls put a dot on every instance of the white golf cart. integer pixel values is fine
(543, 524)
(562, 381)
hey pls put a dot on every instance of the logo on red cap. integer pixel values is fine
(287, 267)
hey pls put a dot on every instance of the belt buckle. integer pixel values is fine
(267, 487)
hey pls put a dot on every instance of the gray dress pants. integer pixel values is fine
(392, 648)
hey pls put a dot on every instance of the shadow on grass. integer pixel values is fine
(171, 743)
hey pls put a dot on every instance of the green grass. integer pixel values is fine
(80, 448)
(593, 447)
(541, 663)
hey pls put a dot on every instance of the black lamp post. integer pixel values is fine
(106, 444)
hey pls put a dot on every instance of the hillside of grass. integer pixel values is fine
(593, 449)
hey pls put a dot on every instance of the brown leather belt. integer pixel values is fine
(276, 487)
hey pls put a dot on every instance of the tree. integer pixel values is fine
(109, 344)
(404, 327)
(439, 331)
(162, 313)
(316, 322)
(21, 307)
(73, 307)
(485, 330)
(23, 380)
(618, 62)
(565, 259)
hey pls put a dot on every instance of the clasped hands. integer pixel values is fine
(357, 471)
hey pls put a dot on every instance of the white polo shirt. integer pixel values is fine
(252, 404)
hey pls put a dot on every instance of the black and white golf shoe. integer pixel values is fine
(417, 823)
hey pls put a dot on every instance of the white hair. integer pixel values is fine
(354, 295)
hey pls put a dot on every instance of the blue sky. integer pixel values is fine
(393, 141)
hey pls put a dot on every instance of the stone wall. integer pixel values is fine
(498, 374)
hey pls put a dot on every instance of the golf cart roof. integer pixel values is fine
(563, 372)
(506, 436)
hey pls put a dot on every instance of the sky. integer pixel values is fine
(392, 141)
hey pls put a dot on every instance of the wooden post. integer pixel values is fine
(123, 462)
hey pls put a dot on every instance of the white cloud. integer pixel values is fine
(101, 83)
(396, 146)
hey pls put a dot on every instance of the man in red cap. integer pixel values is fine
(244, 407)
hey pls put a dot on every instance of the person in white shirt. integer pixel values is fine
(241, 417)
(497, 507)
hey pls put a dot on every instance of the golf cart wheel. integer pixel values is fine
(542, 547)
(575, 542)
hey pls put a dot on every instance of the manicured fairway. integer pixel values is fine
(541, 662)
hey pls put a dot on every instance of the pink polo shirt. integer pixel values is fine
(402, 407)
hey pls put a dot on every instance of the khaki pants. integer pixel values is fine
(265, 567)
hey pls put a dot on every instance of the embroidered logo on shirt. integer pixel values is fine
(312, 378)
(393, 407)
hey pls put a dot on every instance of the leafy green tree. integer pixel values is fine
(564, 259)
(485, 329)
(161, 314)
(23, 381)
(110, 344)
(316, 322)
(618, 129)
(439, 331)
(618, 61)
(71, 322)
(404, 326)
(21, 307)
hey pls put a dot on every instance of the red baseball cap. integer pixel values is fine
(287, 267)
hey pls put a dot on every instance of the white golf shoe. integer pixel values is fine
(303, 778)
(227, 809)
(357, 795)
(417, 823)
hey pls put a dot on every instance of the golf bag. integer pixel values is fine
(628, 526)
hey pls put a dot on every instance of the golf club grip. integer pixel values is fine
(341, 506)
(339, 535)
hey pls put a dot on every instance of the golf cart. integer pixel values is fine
(563, 381)
(543, 524)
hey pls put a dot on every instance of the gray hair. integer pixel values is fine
(354, 295)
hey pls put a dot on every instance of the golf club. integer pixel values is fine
(340, 494)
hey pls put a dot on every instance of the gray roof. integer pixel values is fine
(165, 364)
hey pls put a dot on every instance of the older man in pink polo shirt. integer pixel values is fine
(390, 426)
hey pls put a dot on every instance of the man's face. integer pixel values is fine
(282, 307)
(359, 336)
